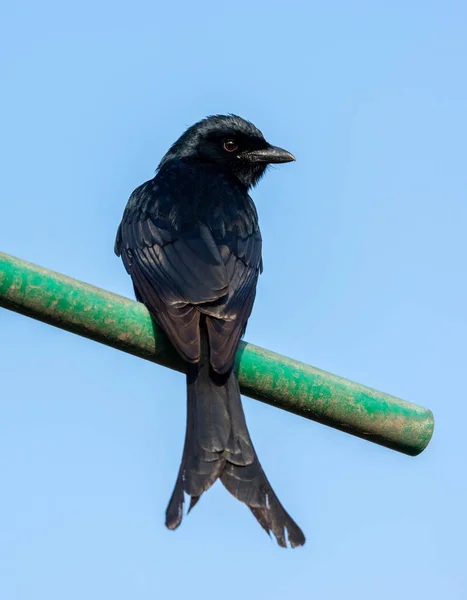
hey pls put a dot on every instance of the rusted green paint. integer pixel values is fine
(126, 325)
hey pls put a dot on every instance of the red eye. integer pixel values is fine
(230, 146)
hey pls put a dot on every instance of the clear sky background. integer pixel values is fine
(367, 281)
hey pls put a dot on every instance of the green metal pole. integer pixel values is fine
(126, 325)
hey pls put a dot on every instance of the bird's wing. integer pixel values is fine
(227, 321)
(181, 272)
(172, 271)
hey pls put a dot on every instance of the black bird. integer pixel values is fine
(190, 240)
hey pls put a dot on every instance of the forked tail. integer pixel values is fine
(218, 445)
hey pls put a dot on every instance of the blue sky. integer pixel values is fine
(370, 283)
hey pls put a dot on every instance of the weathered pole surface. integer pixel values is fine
(299, 388)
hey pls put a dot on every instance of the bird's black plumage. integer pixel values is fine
(191, 242)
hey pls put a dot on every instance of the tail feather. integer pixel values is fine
(218, 446)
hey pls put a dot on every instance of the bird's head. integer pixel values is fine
(230, 142)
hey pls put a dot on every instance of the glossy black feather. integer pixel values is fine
(191, 242)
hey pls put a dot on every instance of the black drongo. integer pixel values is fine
(190, 240)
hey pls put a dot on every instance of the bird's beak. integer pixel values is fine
(271, 154)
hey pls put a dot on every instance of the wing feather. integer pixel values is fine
(181, 272)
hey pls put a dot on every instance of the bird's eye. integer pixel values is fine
(230, 146)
